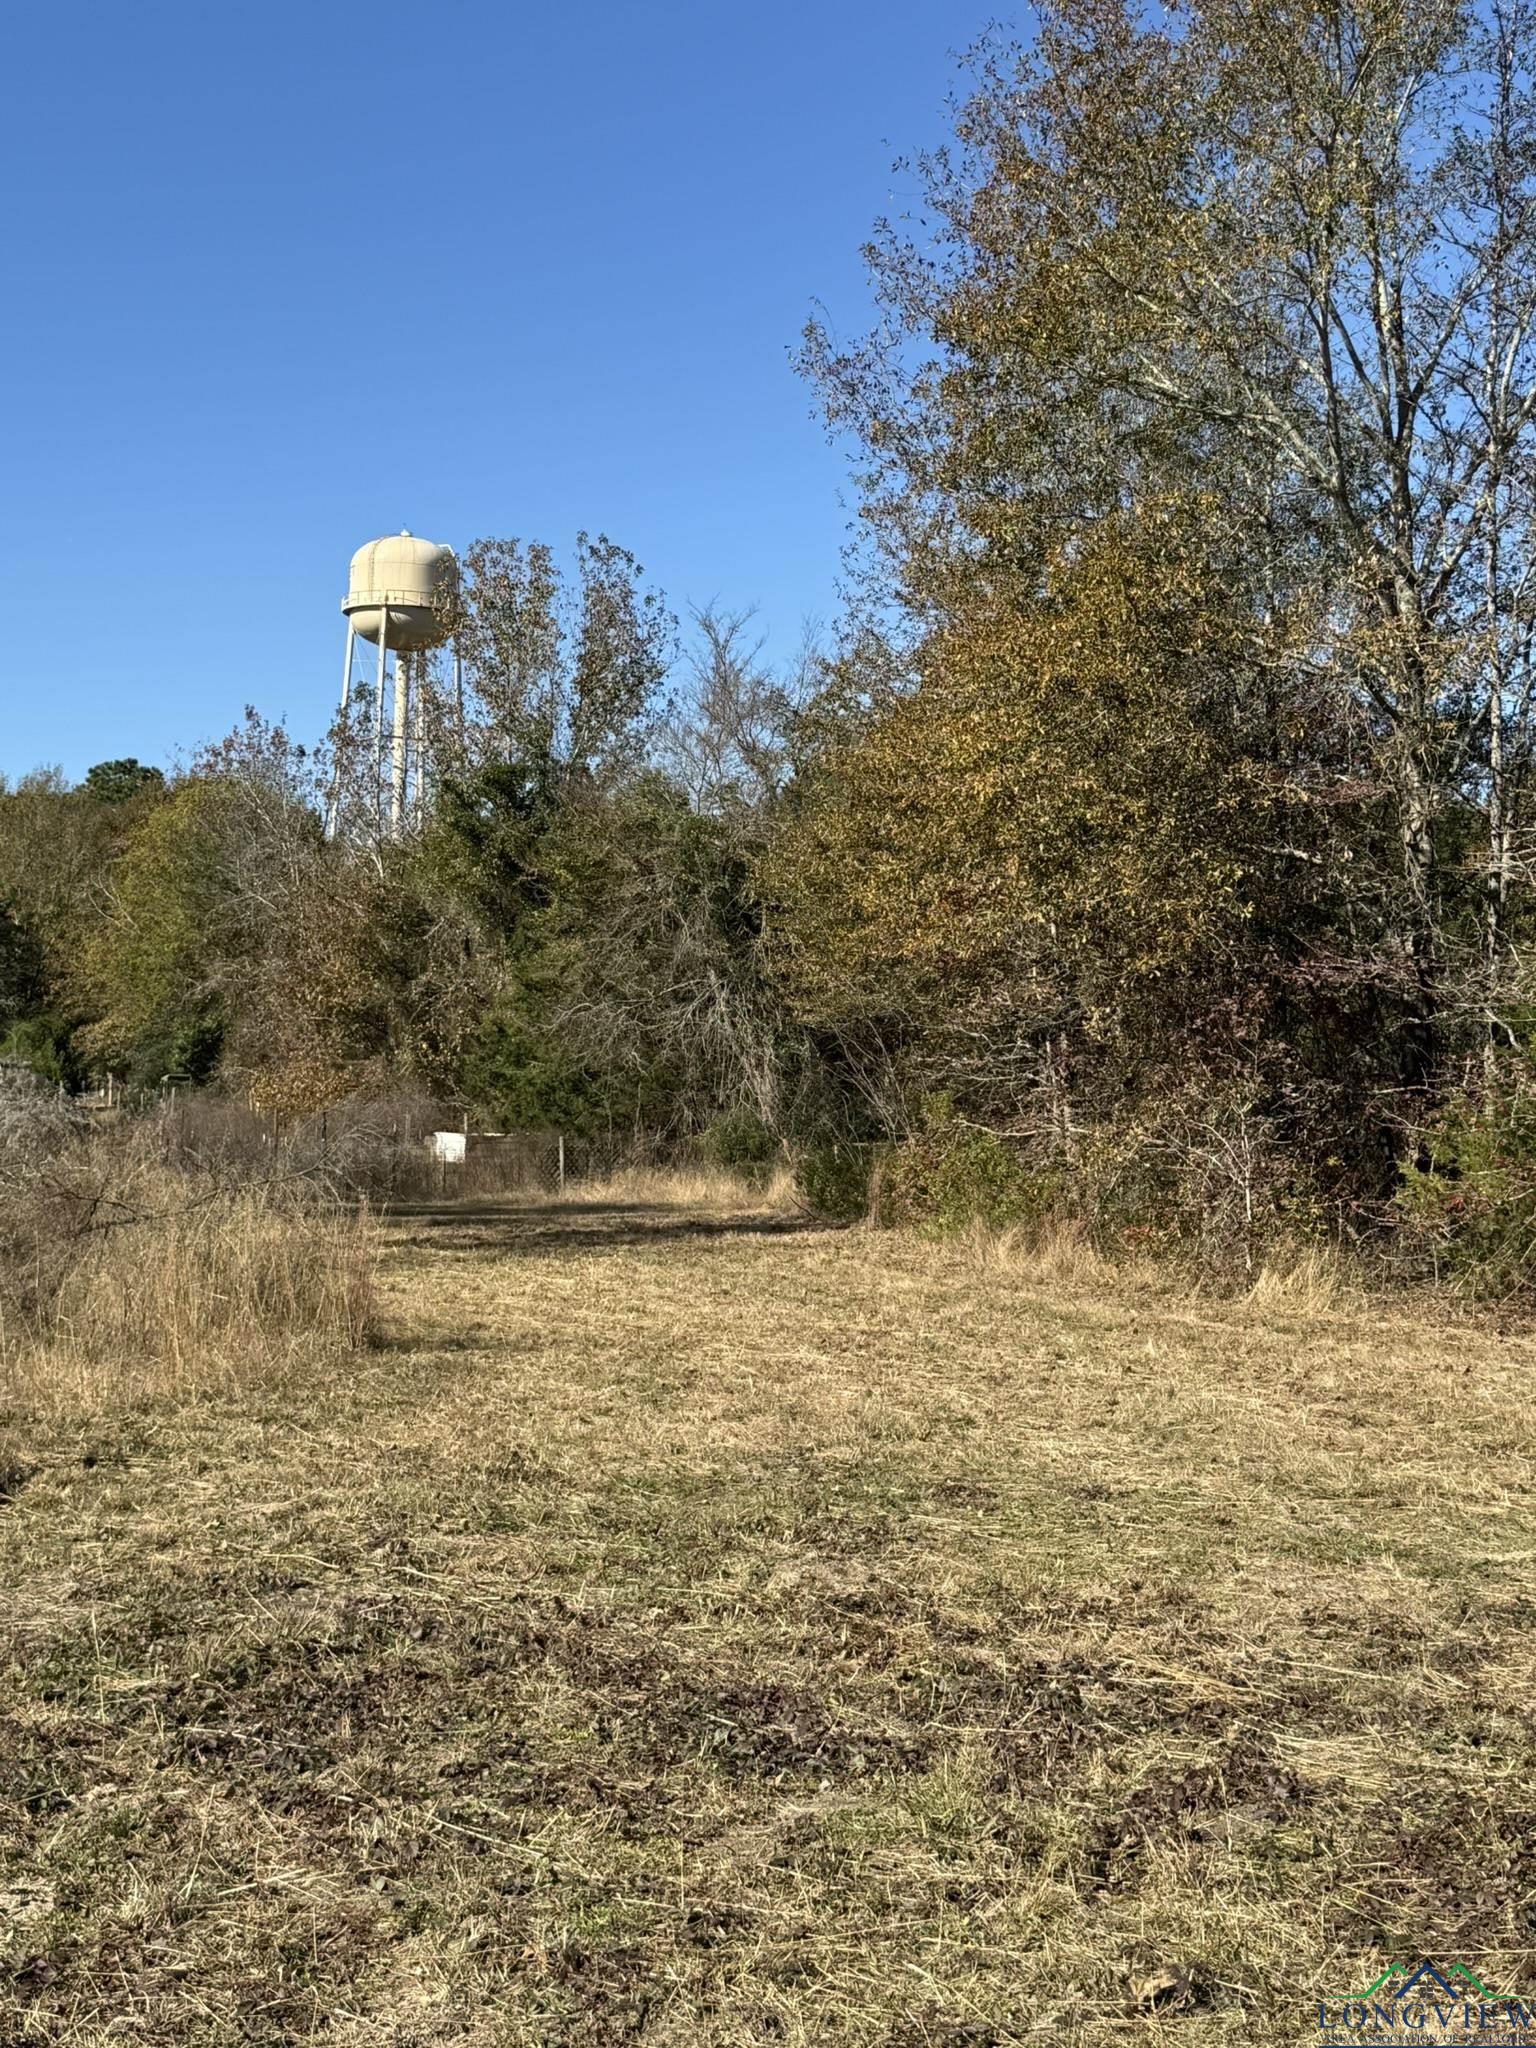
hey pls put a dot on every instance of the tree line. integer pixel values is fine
(1153, 845)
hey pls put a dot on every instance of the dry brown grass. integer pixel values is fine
(708, 1189)
(155, 1283)
(688, 1626)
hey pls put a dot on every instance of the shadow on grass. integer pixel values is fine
(538, 1229)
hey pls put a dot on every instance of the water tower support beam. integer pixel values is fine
(378, 713)
(419, 741)
(402, 708)
(341, 737)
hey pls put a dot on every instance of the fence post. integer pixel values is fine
(562, 1162)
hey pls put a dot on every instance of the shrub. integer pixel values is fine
(953, 1174)
(47, 1045)
(1468, 1200)
(834, 1176)
(1207, 1173)
(740, 1141)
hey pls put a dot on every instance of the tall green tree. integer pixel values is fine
(119, 782)
(1272, 267)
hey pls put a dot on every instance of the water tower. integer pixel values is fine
(400, 599)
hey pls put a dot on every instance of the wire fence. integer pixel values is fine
(402, 1150)
(405, 1149)
(535, 1162)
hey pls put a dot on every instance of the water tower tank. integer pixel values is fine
(410, 578)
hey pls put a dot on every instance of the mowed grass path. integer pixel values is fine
(690, 1627)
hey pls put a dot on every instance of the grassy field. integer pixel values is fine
(686, 1626)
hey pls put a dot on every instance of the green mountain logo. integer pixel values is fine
(1420, 1980)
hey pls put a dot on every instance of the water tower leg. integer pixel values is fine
(419, 742)
(346, 668)
(401, 737)
(346, 698)
(458, 692)
(378, 715)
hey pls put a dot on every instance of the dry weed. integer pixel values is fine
(697, 1187)
(152, 1282)
(1312, 1282)
(1059, 1254)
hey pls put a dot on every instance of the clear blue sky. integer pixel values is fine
(281, 278)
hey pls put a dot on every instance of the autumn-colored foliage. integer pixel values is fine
(1164, 805)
